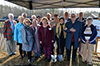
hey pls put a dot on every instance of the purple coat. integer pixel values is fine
(37, 44)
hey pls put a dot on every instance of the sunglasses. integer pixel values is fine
(28, 22)
(73, 16)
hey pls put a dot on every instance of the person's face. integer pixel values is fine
(81, 15)
(61, 21)
(66, 15)
(33, 18)
(89, 22)
(21, 20)
(48, 16)
(55, 18)
(38, 19)
(34, 23)
(11, 17)
(44, 22)
(27, 23)
(24, 16)
(73, 17)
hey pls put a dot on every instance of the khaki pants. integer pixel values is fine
(87, 55)
(11, 46)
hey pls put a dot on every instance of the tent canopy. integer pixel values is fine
(42, 4)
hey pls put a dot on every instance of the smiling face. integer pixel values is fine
(89, 22)
(11, 17)
(61, 21)
(27, 22)
(44, 21)
(21, 20)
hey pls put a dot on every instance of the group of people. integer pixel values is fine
(41, 35)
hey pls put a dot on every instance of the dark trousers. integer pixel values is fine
(29, 55)
(62, 45)
(41, 49)
(69, 52)
(20, 49)
(53, 48)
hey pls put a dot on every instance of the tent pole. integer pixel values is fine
(99, 3)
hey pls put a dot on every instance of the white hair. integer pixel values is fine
(49, 14)
(24, 14)
(33, 16)
(10, 14)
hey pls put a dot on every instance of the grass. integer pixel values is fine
(16, 61)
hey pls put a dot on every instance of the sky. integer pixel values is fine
(76, 9)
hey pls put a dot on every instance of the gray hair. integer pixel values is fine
(33, 16)
(24, 14)
(10, 14)
(49, 14)
(90, 18)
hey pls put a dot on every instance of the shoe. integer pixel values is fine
(10, 55)
(45, 58)
(21, 57)
(84, 61)
(25, 55)
(90, 63)
(33, 58)
(29, 61)
(14, 54)
(48, 60)
(74, 60)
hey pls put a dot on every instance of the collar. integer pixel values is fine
(20, 23)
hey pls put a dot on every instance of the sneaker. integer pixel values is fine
(90, 63)
(10, 55)
(84, 61)
(21, 57)
(48, 60)
(14, 54)
(29, 61)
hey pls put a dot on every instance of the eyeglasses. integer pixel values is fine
(73, 16)
(27, 22)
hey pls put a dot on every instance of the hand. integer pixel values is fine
(79, 39)
(65, 29)
(65, 33)
(73, 30)
(87, 41)
(40, 42)
(27, 45)
(16, 41)
(6, 39)
(57, 25)
(54, 24)
(52, 41)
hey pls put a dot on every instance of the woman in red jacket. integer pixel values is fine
(46, 37)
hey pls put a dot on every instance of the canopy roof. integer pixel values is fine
(42, 4)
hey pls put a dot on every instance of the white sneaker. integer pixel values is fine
(29, 61)
(90, 63)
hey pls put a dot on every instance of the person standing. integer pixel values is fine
(66, 16)
(53, 24)
(60, 35)
(35, 28)
(89, 35)
(18, 34)
(27, 38)
(73, 29)
(46, 37)
(83, 20)
(8, 32)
